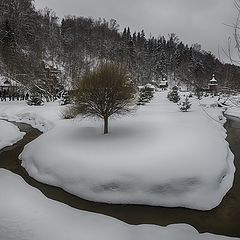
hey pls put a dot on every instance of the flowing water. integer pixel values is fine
(224, 219)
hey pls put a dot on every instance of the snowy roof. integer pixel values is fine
(163, 83)
(149, 85)
(140, 87)
(213, 80)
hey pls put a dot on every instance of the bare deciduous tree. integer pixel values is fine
(233, 49)
(104, 92)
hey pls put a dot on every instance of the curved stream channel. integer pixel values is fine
(224, 220)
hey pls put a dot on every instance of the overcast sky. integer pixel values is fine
(194, 21)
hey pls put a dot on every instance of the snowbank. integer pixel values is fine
(26, 214)
(233, 112)
(158, 156)
(9, 134)
(41, 117)
(232, 106)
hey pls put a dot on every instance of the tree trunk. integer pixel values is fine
(106, 125)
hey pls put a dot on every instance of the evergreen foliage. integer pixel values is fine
(185, 105)
(65, 98)
(173, 95)
(30, 40)
(35, 100)
(145, 95)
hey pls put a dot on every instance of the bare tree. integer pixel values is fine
(233, 48)
(104, 92)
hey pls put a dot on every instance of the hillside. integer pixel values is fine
(32, 42)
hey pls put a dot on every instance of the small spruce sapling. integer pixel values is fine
(35, 100)
(185, 105)
(173, 95)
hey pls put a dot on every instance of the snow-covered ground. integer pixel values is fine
(156, 156)
(26, 214)
(40, 117)
(234, 109)
(231, 104)
(234, 112)
(9, 134)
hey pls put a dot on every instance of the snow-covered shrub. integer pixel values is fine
(146, 95)
(185, 105)
(173, 96)
(65, 98)
(199, 94)
(35, 101)
(68, 113)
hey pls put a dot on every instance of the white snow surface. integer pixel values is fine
(157, 156)
(233, 112)
(26, 214)
(9, 134)
(41, 117)
(232, 107)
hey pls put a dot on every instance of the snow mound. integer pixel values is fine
(233, 112)
(41, 117)
(9, 134)
(26, 214)
(160, 156)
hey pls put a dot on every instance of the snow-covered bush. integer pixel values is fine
(185, 105)
(173, 95)
(35, 101)
(65, 98)
(67, 113)
(146, 94)
(142, 99)
(199, 94)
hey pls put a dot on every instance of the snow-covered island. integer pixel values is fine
(157, 156)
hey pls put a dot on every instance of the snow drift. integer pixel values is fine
(26, 214)
(9, 134)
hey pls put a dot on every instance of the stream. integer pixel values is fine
(222, 220)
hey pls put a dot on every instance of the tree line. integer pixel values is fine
(33, 43)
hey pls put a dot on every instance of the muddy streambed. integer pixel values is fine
(224, 219)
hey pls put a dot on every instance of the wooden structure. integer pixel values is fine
(6, 85)
(9, 88)
(163, 85)
(213, 85)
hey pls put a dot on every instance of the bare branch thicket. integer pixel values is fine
(234, 42)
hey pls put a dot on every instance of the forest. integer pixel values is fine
(45, 53)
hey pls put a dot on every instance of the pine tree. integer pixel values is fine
(173, 95)
(185, 105)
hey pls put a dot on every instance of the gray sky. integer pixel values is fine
(194, 21)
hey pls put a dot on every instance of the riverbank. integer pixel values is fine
(26, 214)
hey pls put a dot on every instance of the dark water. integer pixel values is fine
(224, 220)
